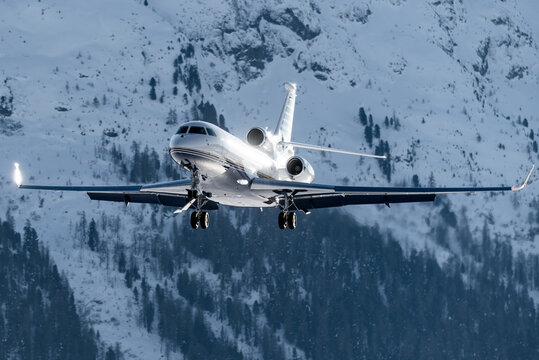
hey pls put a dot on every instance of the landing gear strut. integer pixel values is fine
(287, 217)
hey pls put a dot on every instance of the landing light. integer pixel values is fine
(243, 182)
(17, 176)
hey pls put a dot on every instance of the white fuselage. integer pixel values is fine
(226, 164)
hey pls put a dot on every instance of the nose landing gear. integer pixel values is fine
(199, 198)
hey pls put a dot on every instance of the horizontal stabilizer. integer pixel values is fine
(322, 148)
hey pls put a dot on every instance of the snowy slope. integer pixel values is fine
(458, 76)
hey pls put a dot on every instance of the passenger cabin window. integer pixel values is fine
(182, 130)
(210, 132)
(197, 130)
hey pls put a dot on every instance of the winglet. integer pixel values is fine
(17, 176)
(515, 188)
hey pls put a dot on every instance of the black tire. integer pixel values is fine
(204, 219)
(282, 220)
(195, 220)
(292, 219)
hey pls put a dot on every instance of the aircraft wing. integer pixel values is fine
(173, 193)
(313, 196)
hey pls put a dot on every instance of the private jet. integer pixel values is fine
(262, 171)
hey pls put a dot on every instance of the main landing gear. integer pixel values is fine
(200, 218)
(288, 218)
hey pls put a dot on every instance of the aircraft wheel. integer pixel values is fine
(204, 219)
(282, 220)
(195, 220)
(292, 219)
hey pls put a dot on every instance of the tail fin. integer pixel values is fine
(284, 127)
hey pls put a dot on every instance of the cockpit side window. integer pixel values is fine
(197, 130)
(182, 129)
(211, 132)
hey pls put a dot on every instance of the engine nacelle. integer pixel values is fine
(299, 169)
(257, 137)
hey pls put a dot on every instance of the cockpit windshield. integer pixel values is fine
(182, 130)
(197, 130)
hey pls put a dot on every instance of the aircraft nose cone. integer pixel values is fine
(176, 140)
(172, 141)
(182, 140)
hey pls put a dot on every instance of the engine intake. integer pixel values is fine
(295, 166)
(299, 169)
(256, 137)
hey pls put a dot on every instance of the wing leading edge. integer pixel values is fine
(173, 193)
(313, 196)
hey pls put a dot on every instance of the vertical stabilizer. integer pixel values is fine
(284, 127)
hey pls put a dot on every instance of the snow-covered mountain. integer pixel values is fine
(457, 81)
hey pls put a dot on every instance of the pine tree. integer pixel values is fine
(121, 262)
(147, 305)
(432, 181)
(93, 236)
(222, 124)
(172, 117)
(415, 181)
(362, 116)
(111, 355)
(153, 83)
(368, 135)
(377, 131)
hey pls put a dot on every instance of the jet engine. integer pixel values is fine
(299, 169)
(256, 137)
